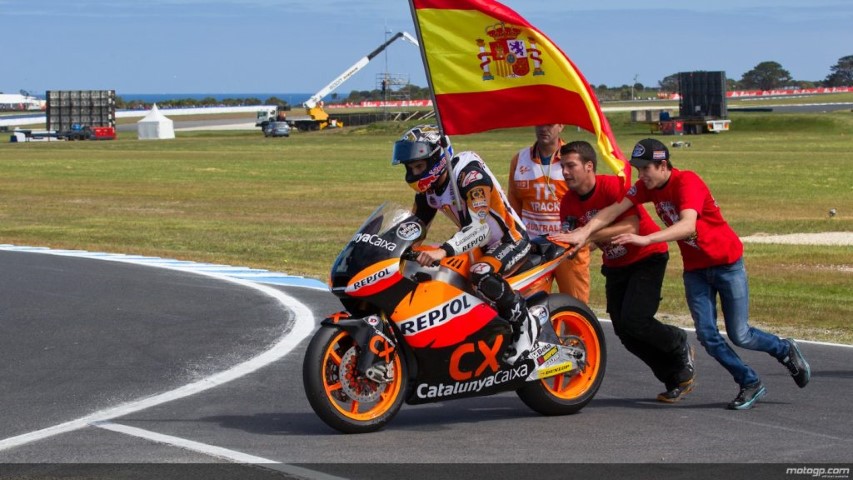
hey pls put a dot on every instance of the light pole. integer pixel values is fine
(636, 76)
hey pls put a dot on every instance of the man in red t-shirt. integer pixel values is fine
(713, 266)
(634, 275)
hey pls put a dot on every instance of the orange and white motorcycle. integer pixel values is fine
(419, 334)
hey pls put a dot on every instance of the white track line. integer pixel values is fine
(214, 451)
(812, 342)
(302, 326)
(219, 452)
(258, 275)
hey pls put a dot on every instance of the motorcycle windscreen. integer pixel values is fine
(386, 234)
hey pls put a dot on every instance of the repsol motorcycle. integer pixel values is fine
(419, 334)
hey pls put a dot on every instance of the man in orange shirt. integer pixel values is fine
(536, 186)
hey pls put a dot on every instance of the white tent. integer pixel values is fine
(155, 126)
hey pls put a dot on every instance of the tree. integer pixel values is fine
(842, 73)
(766, 76)
(276, 101)
(731, 84)
(669, 83)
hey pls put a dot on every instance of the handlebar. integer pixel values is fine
(409, 255)
(412, 255)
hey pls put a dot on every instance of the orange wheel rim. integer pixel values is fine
(572, 327)
(339, 367)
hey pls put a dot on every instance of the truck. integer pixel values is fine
(709, 125)
(81, 114)
(85, 132)
(702, 104)
(689, 125)
(75, 132)
(315, 118)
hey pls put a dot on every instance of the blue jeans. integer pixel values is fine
(730, 283)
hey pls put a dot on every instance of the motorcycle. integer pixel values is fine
(419, 334)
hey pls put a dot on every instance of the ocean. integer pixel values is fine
(290, 98)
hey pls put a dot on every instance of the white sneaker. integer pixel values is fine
(525, 342)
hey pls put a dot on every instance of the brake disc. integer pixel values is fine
(357, 387)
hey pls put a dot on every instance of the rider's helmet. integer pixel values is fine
(424, 142)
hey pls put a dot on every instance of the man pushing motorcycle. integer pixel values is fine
(464, 189)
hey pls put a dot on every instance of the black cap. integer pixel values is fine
(647, 151)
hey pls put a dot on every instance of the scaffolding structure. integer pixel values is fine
(394, 86)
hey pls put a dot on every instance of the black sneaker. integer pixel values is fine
(675, 394)
(747, 396)
(796, 364)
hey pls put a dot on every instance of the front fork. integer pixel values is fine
(374, 340)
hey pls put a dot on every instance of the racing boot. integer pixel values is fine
(525, 331)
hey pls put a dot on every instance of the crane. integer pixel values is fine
(361, 63)
(314, 105)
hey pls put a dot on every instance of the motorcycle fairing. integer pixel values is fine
(436, 315)
(507, 378)
(375, 278)
(526, 280)
(472, 368)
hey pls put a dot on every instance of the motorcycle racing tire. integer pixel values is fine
(345, 400)
(574, 324)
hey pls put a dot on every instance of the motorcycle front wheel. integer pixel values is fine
(345, 400)
(575, 325)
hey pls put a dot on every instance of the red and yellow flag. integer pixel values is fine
(489, 68)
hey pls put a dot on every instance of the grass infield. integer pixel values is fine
(290, 204)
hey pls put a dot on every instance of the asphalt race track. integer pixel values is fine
(110, 362)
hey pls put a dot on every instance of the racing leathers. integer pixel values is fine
(473, 199)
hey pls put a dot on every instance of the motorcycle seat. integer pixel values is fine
(545, 248)
(541, 251)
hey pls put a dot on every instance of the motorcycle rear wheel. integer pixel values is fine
(576, 325)
(345, 400)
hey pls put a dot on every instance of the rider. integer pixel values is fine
(484, 218)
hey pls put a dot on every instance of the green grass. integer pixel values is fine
(290, 204)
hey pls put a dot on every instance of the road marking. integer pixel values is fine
(206, 449)
(258, 275)
(213, 451)
(302, 326)
(811, 342)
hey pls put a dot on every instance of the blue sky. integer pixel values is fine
(288, 46)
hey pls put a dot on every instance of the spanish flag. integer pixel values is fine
(489, 68)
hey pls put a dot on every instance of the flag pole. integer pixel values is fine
(458, 201)
(426, 66)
